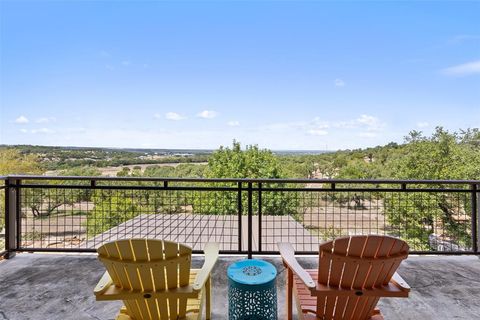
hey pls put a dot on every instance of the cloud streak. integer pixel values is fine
(45, 120)
(233, 123)
(42, 131)
(207, 114)
(174, 116)
(465, 69)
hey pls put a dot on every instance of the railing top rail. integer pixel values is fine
(243, 180)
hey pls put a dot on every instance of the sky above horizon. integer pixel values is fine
(283, 75)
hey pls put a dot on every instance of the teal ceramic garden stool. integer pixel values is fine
(252, 293)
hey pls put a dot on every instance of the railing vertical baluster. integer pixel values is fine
(250, 212)
(240, 209)
(475, 218)
(10, 218)
(260, 217)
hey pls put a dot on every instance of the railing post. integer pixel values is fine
(475, 217)
(250, 213)
(240, 209)
(11, 201)
(478, 218)
(260, 217)
(18, 214)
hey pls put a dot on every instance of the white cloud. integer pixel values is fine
(46, 120)
(367, 122)
(207, 114)
(173, 116)
(367, 134)
(339, 83)
(318, 132)
(22, 120)
(23, 130)
(233, 123)
(423, 124)
(466, 69)
(42, 130)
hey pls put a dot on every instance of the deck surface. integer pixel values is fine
(60, 287)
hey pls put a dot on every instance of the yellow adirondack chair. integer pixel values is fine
(154, 279)
(353, 273)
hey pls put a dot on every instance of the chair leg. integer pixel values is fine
(208, 310)
(289, 293)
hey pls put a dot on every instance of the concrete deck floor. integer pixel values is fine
(52, 286)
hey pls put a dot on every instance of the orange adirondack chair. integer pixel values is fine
(353, 273)
(154, 279)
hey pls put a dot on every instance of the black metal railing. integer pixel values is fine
(2, 216)
(246, 216)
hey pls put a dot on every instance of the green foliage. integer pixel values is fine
(13, 161)
(81, 172)
(111, 209)
(443, 156)
(236, 163)
(250, 163)
(45, 201)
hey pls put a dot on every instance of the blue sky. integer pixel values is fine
(283, 75)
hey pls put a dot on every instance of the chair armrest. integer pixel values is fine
(402, 284)
(103, 284)
(211, 256)
(288, 255)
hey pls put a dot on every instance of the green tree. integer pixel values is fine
(14, 162)
(44, 201)
(252, 163)
(443, 156)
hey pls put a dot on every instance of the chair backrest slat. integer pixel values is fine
(340, 247)
(351, 307)
(117, 269)
(323, 273)
(335, 277)
(126, 253)
(102, 251)
(134, 309)
(141, 255)
(385, 245)
(398, 247)
(183, 277)
(355, 246)
(156, 254)
(369, 250)
(324, 263)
